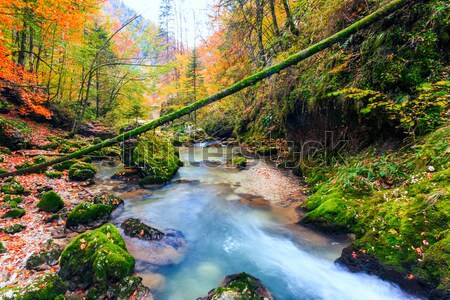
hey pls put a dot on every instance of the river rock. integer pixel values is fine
(357, 261)
(135, 228)
(170, 249)
(240, 286)
(44, 258)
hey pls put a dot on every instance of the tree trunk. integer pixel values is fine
(290, 20)
(274, 18)
(242, 84)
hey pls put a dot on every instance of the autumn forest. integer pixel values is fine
(225, 149)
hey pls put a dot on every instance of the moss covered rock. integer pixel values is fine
(14, 213)
(14, 228)
(50, 202)
(240, 286)
(47, 287)
(89, 214)
(15, 198)
(82, 171)
(96, 258)
(135, 228)
(130, 287)
(12, 186)
(108, 199)
(47, 257)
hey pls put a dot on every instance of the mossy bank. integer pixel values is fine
(396, 203)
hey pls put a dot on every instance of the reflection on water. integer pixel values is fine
(225, 236)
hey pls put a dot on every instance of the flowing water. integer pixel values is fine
(224, 236)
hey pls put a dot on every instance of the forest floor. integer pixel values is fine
(20, 246)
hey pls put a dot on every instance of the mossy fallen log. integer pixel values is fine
(240, 85)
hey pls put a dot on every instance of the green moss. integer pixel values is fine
(53, 174)
(50, 202)
(239, 162)
(436, 263)
(12, 187)
(267, 151)
(157, 158)
(241, 286)
(40, 159)
(82, 171)
(65, 165)
(15, 198)
(2, 250)
(89, 214)
(47, 287)
(14, 213)
(97, 257)
(408, 208)
(14, 228)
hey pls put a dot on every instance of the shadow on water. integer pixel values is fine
(225, 236)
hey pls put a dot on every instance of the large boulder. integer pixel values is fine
(240, 286)
(96, 258)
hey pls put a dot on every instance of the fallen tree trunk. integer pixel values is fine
(249, 81)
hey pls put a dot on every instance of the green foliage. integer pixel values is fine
(89, 214)
(50, 202)
(423, 113)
